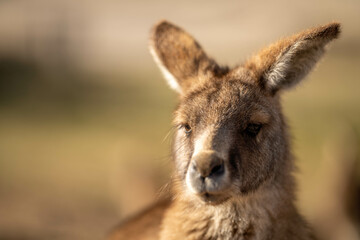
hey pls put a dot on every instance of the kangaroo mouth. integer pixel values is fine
(213, 199)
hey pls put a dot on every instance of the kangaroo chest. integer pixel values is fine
(226, 223)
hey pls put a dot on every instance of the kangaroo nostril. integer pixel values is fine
(206, 173)
(207, 165)
(217, 169)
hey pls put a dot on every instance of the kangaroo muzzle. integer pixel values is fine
(207, 173)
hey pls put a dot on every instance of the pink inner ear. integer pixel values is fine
(293, 65)
(286, 62)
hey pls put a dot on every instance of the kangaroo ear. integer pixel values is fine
(179, 56)
(285, 63)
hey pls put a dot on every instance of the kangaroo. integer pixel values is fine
(233, 175)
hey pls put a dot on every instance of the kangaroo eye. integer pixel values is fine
(187, 128)
(253, 129)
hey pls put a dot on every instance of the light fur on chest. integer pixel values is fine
(227, 222)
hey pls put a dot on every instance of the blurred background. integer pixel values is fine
(84, 110)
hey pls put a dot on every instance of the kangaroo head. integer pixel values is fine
(230, 133)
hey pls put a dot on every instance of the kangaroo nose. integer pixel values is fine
(208, 164)
(206, 173)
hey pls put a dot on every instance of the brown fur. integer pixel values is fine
(232, 116)
(149, 220)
